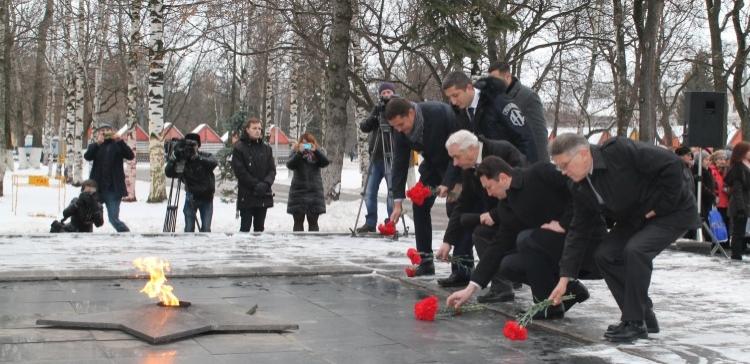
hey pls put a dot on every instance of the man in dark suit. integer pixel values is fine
(640, 189)
(423, 127)
(533, 212)
(473, 203)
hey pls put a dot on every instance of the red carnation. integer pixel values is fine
(410, 271)
(387, 229)
(426, 309)
(414, 256)
(419, 193)
(514, 331)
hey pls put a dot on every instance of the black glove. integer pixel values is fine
(261, 188)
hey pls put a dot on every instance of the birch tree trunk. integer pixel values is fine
(4, 83)
(158, 192)
(360, 113)
(133, 78)
(101, 47)
(49, 131)
(79, 100)
(338, 96)
(70, 97)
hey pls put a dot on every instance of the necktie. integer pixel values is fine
(471, 114)
(599, 198)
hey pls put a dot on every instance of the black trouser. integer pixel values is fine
(490, 253)
(536, 262)
(299, 222)
(255, 216)
(625, 260)
(423, 226)
(738, 235)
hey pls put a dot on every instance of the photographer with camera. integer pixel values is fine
(107, 155)
(306, 191)
(84, 212)
(196, 170)
(377, 164)
(255, 169)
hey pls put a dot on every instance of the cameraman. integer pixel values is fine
(377, 165)
(196, 170)
(84, 211)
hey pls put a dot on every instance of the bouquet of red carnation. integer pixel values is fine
(419, 193)
(387, 229)
(429, 308)
(516, 329)
(415, 258)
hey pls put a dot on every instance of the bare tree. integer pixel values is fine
(158, 192)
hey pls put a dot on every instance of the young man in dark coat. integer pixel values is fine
(473, 203)
(108, 153)
(638, 187)
(84, 211)
(533, 214)
(423, 127)
(529, 103)
(255, 169)
(306, 196)
(196, 169)
(376, 171)
(488, 112)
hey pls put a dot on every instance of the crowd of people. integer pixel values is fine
(547, 216)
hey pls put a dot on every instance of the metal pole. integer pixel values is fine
(699, 233)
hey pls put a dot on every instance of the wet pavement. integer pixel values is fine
(342, 319)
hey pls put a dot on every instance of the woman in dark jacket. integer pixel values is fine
(255, 169)
(306, 191)
(737, 181)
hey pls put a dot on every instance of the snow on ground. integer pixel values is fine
(38, 207)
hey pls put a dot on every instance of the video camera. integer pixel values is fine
(181, 149)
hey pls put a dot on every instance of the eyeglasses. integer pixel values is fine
(564, 166)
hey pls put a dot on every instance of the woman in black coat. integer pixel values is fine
(737, 180)
(306, 191)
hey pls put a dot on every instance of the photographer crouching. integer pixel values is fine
(84, 212)
(196, 170)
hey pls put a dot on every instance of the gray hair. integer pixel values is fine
(568, 143)
(463, 139)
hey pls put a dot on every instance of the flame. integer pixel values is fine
(156, 286)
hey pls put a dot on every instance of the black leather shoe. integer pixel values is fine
(454, 280)
(495, 297)
(365, 229)
(551, 313)
(579, 290)
(426, 268)
(627, 332)
(652, 325)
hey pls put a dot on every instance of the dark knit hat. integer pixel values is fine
(386, 86)
(193, 136)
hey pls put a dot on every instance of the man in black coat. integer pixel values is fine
(423, 127)
(255, 169)
(533, 212)
(107, 154)
(473, 203)
(84, 211)
(641, 189)
(196, 169)
(487, 112)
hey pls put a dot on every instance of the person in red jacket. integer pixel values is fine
(718, 168)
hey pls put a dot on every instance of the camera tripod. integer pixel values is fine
(173, 202)
(385, 138)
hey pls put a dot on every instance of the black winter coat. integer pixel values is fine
(371, 125)
(537, 195)
(84, 212)
(439, 124)
(198, 175)
(632, 178)
(255, 169)
(498, 117)
(737, 181)
(474, 198)
(306, 190)
(107, 169)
